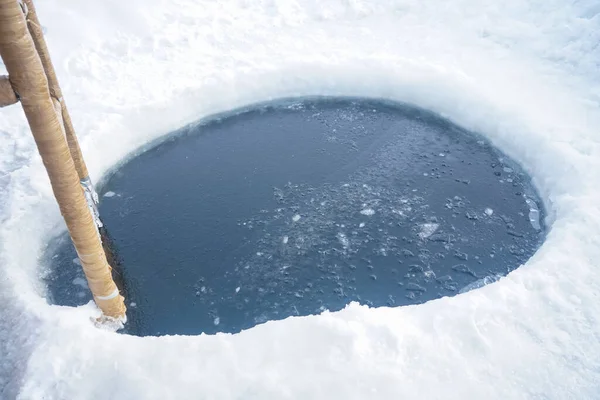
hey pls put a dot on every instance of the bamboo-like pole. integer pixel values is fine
(35, 29)
(29, 80)
(7, 94)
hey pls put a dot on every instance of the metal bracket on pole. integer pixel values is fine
(92, 200)
(24, 7)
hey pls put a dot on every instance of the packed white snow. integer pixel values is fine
(524, 73)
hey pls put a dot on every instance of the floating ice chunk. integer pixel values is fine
(261, 319)
(407, 253)
(413, 287)
(361, 225)
(367, 211)
(217, 321)
(464, 269)
(80, 282)
(428, 229)
(285, 239)
(296, 218)
(480, 283)
(237, 289)
(415, 268)
(109, 194)
(343, 240)
(488, 211)
(534, 214)
(471, 215)
(77, 261)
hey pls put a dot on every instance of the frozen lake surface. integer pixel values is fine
(296, 207)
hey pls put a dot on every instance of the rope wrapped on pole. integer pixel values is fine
(35, 29)
(29, 80)
(7, 94)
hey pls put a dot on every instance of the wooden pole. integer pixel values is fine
(7, 94)
(35, 30)
(29, 80)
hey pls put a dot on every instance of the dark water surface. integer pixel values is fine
(297, 207)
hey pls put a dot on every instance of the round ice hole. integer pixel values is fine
(295, 207)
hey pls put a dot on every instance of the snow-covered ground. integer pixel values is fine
(525, 73)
